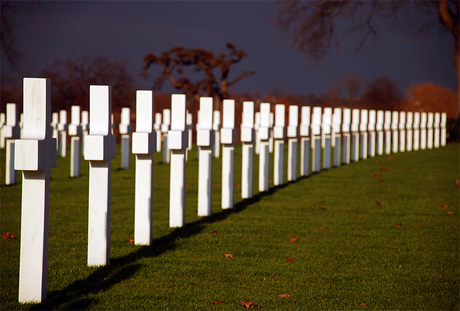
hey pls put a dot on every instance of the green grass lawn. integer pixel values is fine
(365, 239)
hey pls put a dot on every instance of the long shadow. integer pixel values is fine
(75, 295)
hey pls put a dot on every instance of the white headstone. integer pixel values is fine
(99, 151)
(2, 123)
(336, 137)
(443, 128)
(157, 128)
(436, 125)
(387, 130)
(305, 141)
(216, 127)
(346, 135)
(292, 133)
(416, 127)
(429, 126)
(75, 132)
(10, 132)
(264, 152)
(371, 132)
(355, 135)
(409, 125)
(84, 127)
(364, 122)
(205, 142)
(144, 144)
(279, 132)
(165, 127)
(247, 139)
(316, 139)
(177, 144)
(125, 132)
(423, 134)
(62, 127)
(394, 128)
(35, 155)
(402, 131)
(270, 140)
(228, 139)
(256, 129)
(326, 137)
(379, 130)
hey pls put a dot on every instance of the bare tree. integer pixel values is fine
(311, 26)
(216, 70)
(382, 93)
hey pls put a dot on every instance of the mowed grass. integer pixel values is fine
(359, 240)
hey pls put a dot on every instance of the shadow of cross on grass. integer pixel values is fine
(76, 296)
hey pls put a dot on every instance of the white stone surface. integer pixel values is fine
(228, 138)
(443, 128)
(409, 127)
(394, 130)
(247, 139)
(355, 135)
(387, 130)
(256, 129)
(177, 145)
(316, 139)
(305, 141)
(125, 130)
(264, 152)
(157, 127)
(144, 145)
(371, 132)
(363, 124)
(62, 127)
(216, 127)
(326, 137)
(2, 123)
(423, 130)
(402, 131)
(416, 127)
(165, 127)
(33, 266)
(429, 130)
(75, 132)
(189, 130)
(99, 150)
(346, 135)
(379, 131)
(292, 133)
(279, 133)
(205, 142)
(10, 132)
(436, 126)
(336, 135)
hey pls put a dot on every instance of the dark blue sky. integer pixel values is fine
(129, 30)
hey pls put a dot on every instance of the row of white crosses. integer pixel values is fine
(35, 155)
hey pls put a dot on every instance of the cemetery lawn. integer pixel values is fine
(377, 234)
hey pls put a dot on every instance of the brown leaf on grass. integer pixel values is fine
(378, 162)
(377, 175)
(228, 255)
(382, 180)
(214, 232)
(217, 302)
(420, 226)
(363, 304)
(457, 182)
(390, 157)
(379, 204)
(283, 295)
(9, 235)
(275, 277)
(126, 177)
(324, 207)
(357, 218)
(385, 169)
(445, 207)
(131, 240)
(238, 185)
(450, 213)
(322, 228)
(292, 240)
(186, 185)
(289, 259)
(250, 304)
(398, 224)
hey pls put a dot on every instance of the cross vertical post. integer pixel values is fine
(326, 137)
(279, 133)
(264, 152)
(247, 139)
(305, 141)
(75, 133)
(363, 124)
(371, 131)
(336, 134)
(228, 139)
(379, 130)
(292, 133)
(316, 139)
(10, 132)
(125, 131)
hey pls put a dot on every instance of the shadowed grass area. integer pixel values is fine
(365, 238)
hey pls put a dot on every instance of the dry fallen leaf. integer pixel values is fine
(289, 259)
(363, 304)
(324, 207)
(9, 235)
(238, 185)
(217, 302)
(214, 232)
(131, 240)
(457, 182)
(292, 240)
(390, 157)
(250, 304)
(378, 161)
(357, 218)
(228, 255)
(275, 277)
(385, 169)
(445, 207)
(450, 213)
(380, 204)
(283, 295)
(398, 224)
(420, 226)
(377, 175)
